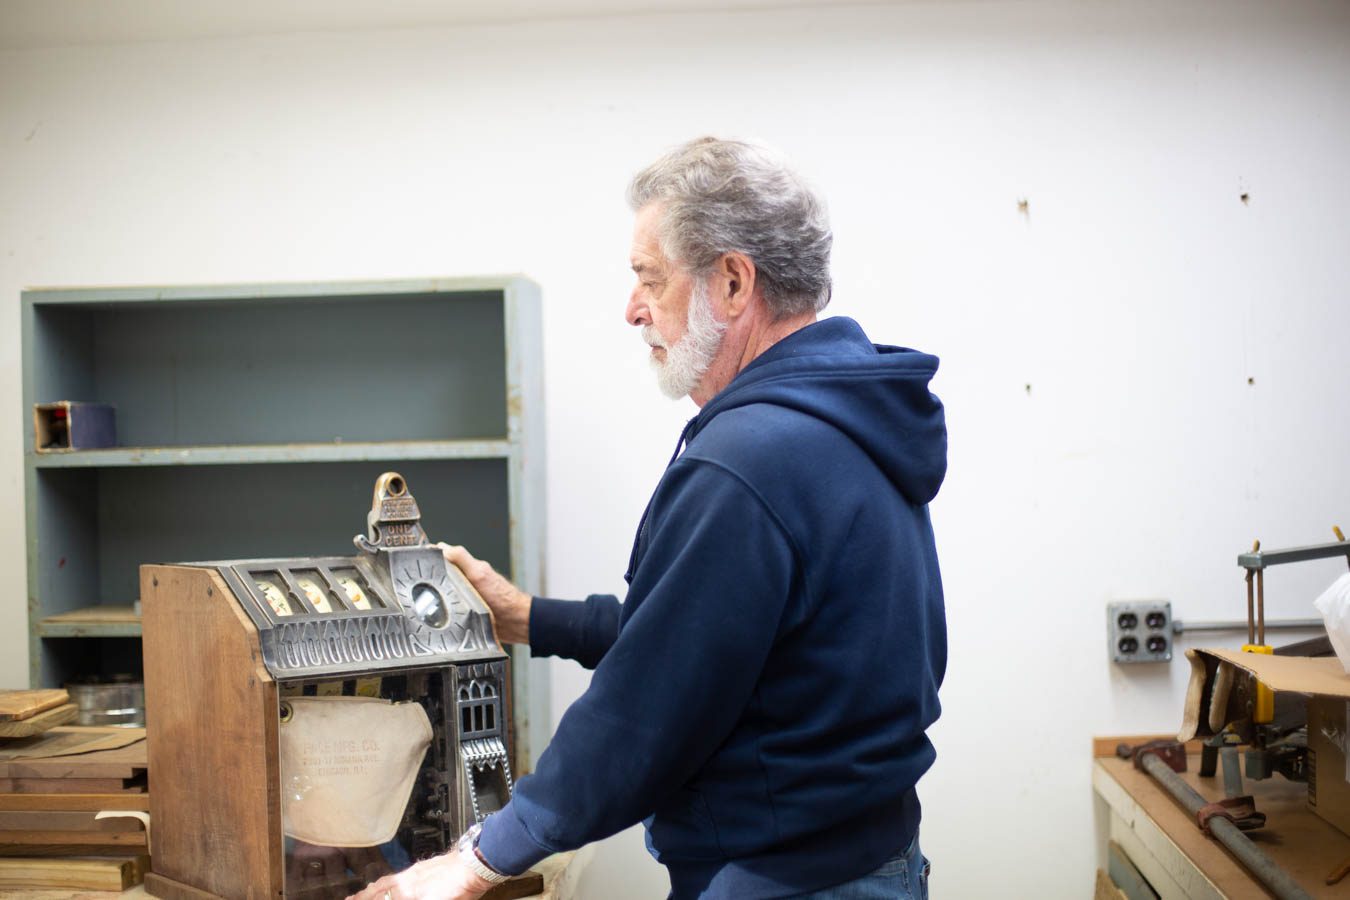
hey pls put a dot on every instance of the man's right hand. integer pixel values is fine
(510, 605)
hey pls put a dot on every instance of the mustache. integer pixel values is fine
(653, 337)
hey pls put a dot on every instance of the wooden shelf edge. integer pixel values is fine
(92, 621)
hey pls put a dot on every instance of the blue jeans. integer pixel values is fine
(902, 877)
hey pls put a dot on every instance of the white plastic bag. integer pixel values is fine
(1334, 605)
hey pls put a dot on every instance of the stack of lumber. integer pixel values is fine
(52, 787)
(29, 713)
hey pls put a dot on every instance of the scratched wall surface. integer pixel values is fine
(1143, 370)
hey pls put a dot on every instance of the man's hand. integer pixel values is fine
(509, 604)
(442, 877)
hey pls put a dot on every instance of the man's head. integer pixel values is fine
(731, 250)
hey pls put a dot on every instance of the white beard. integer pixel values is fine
(689, 358)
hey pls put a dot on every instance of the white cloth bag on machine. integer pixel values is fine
(1334, 605)
(347, 767)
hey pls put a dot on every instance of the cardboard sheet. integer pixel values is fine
(66, 741)
(1321, 675)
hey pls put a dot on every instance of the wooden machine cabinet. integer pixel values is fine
(288, 702)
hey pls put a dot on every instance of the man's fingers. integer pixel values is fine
(456, 554)
(379, 890)
(476, 569)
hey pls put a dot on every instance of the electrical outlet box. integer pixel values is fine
(1139, 631)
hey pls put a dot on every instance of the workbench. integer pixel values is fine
(1179, 861)
(562, 878)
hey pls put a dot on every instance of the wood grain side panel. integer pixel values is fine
(211, 711)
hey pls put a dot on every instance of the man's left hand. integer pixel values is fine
(442, 877)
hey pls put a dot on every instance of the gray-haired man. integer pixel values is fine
(761, 697)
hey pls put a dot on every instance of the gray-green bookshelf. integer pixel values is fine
(253, 420)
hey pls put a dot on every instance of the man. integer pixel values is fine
(761, 696)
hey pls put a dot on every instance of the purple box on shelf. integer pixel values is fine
(65, 425)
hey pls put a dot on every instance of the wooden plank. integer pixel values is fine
(80, 874)
(110, 614)
(18, 705)
(71, 785)
(201, 652)
(47, 820)
(529, 884)
(74, 838)
(66, 851)
(110, 620)
(74, 802)
(39, 722)
(563, 873)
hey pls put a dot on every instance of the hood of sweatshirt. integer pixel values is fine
(877, 395)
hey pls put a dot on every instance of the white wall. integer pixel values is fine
(1105, 440)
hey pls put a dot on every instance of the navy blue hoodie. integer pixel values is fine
(761, 697)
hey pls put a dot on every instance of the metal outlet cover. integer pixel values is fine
(1139, 631)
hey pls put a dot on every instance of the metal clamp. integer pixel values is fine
(1171, 753)
(1241, 811)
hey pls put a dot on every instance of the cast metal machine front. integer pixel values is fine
(387, 695)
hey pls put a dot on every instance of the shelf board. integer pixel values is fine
(234, 454)
(92, 621)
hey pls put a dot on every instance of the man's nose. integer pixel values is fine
(637, 312)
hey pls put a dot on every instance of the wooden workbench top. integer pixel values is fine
(1306, 846)
(562, 874)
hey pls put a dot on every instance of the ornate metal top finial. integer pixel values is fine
(394, 519)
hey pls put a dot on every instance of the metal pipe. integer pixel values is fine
(1251, 614)
(1179, 626)
(1261, 607)
(1226, 833)
(1232, 772)
(1260, 559)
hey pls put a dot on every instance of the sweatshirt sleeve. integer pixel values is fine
(702, 614)
(579, 630)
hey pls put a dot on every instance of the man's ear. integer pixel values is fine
(738, 273)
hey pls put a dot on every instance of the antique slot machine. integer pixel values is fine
(317, 723)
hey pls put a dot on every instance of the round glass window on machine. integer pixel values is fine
(429, 606)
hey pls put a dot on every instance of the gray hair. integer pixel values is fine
(729, 196)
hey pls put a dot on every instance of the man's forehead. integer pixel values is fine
(646, 254)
